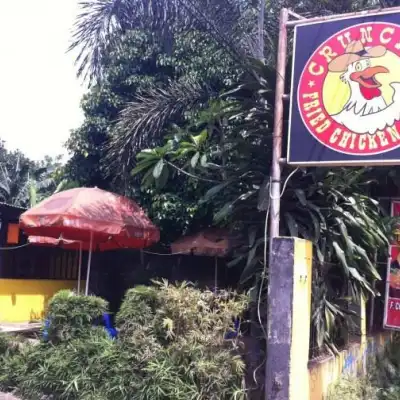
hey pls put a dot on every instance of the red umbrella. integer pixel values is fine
(94, 216)
(210, 242)
(68, 244)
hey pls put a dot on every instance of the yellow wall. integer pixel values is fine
(324, 371)
(301, 306)
(24, 300)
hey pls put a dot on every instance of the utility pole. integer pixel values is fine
(278, 128)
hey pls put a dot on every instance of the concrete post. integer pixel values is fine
(289, 319)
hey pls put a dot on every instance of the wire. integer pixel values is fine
(15, 247)
(284, 185)
(261, 289)
(165, 254)
(263, 275)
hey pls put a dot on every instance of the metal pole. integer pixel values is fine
(276, 156)
(278, 127)
(389, 10)
(89, 262)
(295, 15)
(80, 268)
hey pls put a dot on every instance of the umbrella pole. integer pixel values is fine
(80, 268)
(89, 262)
(216, 275)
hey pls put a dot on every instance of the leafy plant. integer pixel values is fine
(72, 316)
(382, 382)
(182, 330)
(12, 352)
(171, 345)
(353, 389)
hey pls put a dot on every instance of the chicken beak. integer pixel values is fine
(366, 77)
(372, 71)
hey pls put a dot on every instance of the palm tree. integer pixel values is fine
(228, 22)
(24, 183)
(23, 187)
(13, 178)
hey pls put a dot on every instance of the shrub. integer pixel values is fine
(171, 347)
(180, 333)
(382, 383)
(71, 316)
(9, 345)
(74, 369)
(350, 388)
(137, 311)
(12, 363)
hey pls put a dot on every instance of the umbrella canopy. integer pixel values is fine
(91, 215)
(53, 242)
(211, 242)
(68, 244)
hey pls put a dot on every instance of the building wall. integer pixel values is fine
(23, 300)
(354, 360)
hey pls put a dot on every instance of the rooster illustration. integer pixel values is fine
(366, 110)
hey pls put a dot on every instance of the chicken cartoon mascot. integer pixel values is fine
(366, 111)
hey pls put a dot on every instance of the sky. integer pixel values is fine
(39, 92)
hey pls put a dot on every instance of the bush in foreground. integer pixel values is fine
(180, 331)
(171, 347)
(71, 316)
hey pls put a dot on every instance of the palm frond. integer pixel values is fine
(94, 27)
(143, 120)
(102, 23)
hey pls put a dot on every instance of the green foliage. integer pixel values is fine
(71, 316)
(170, 346)
(10, 345)
(354, 389)
(386, 372)
(68, 370)
(12, 351)
(228, 24)
(182, 330)
(23, 182)
(139, 66)
(382, 382)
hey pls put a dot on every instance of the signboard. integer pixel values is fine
(345, 95)
(392, 298)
